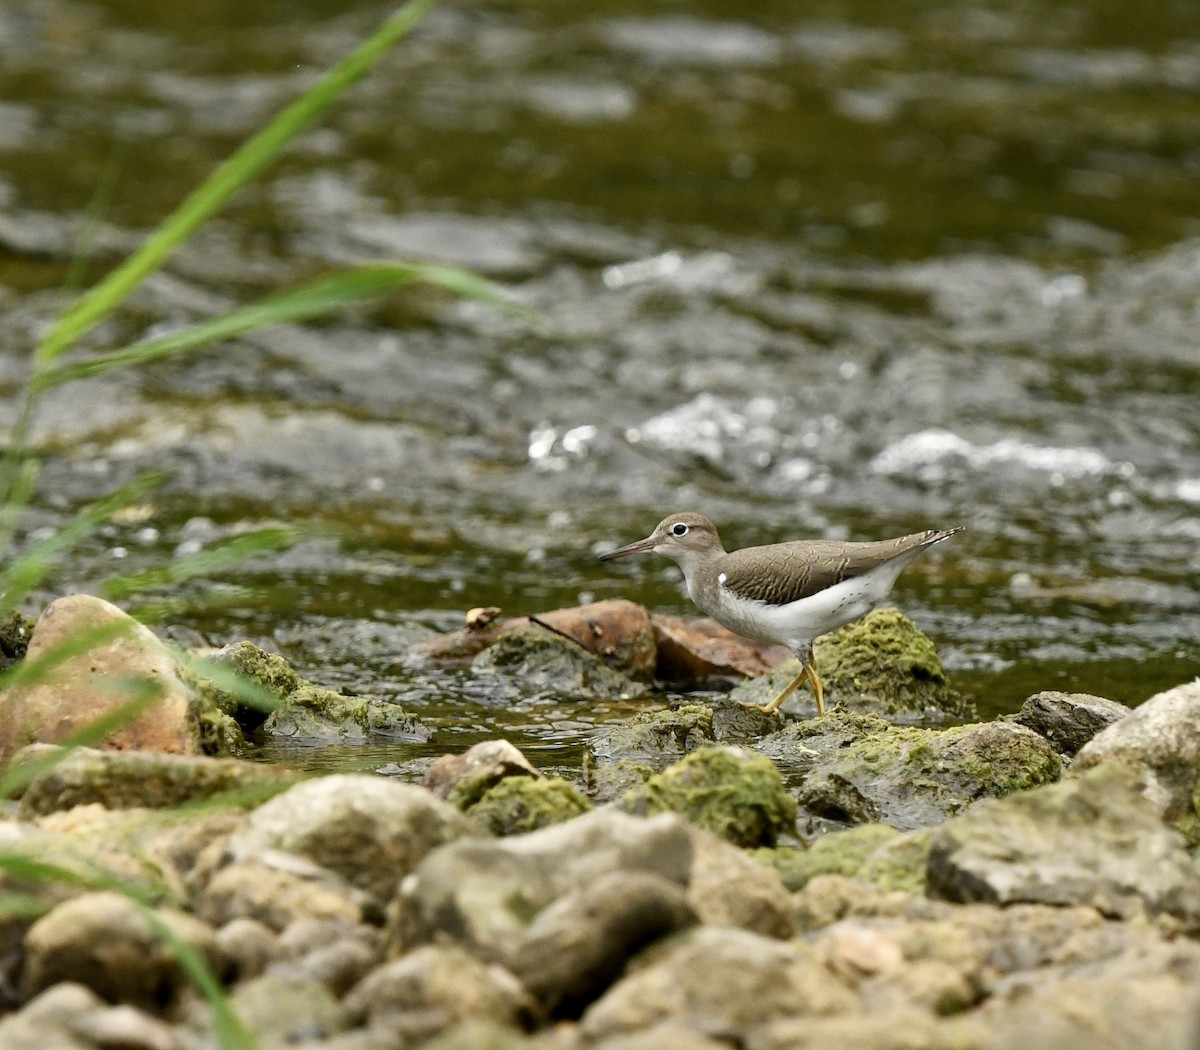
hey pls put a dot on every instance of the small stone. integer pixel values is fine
(578, 945)
(728, 888)
(248, 946)
(469, 775)
(517, 805)
(860, 951)
(276, 890)
(1069, 720)
(105, 941)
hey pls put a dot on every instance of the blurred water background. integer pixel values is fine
(818, 268)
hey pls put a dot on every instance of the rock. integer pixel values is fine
(1093, 840)
(277, 889)
(305, 711)
(464, 779)
(124, 1028)
(838, 853)
(370, 830)
(882, 663)
(518, 804)
(15, 632)
(909, 777)
(478, 1033)
(661, 1036)
(484, 893)
(658, 737)
(547, 663)
(715, 980)
(105, 941)
(901, 863)
(609, 781)
(46, 1019)
(282, 1011)
(1160, 739)
(728, 888)
(128, 779)
(248, 946)
(903, 1029)
(432, 987)
(125, 662)
(333, 952)
(616, 630)
(690, 651)
(577, 946)
(729, 791)
(1068, 720)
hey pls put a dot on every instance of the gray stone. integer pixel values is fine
(721, 982)
(434, 986)
(465, 778)
(1161, 739)
(1093, 840)
(370, 830)
(106, 942)
(1068, 720)
(282, 1011)
(728, 888)
(125, 1028)
(658, 738)
(579, 944)
(276, 889)
(247, 946)
(150, 780)
(46, 1020)
(484, 893)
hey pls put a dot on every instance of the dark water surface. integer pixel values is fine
(838, 268)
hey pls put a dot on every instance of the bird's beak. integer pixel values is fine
(640, 547)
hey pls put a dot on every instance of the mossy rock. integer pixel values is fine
(910, 778)
(658, 737)
(609, 781)
(313, 713)
(900, 863)
(519, 804)
(546, 662)
(882, 663)
(838, 853)
(14, 638)
(731, 792)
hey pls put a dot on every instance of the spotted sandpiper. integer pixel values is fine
(788, 593)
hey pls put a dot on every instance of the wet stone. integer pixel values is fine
(1068, 720)
(464, 778)
(546, 663)
(659, 737)
(519, 804)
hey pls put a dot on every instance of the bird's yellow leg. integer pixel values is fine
(807, 671)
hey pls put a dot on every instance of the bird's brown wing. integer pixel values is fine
(786, 572)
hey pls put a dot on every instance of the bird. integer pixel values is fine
(787, 593)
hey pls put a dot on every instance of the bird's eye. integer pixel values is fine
(679, 529)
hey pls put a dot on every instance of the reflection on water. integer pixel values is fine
(846, 272)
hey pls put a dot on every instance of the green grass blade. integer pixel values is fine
(223, 183)
(225, 678)
(214, 559)
(299, 304)
(30, 568)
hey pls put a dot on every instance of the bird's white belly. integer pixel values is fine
(799, 622)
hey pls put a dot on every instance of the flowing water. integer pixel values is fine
(815, 268)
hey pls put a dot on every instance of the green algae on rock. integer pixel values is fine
(882, 663)
(910, 777)
(519, 804)
(838, 853)
(657, 737)
(306, 711)
(731, 792)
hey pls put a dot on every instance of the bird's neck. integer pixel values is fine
(699, 570)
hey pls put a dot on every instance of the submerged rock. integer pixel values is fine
(658, 737)
(882, 663)
(1092, 840)
(123, 780)
(305, 711)
(1068, 720)
(118, 663)
(729, 791)
(519, 804)
(546, 662)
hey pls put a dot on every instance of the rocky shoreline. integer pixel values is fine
(892, 876)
